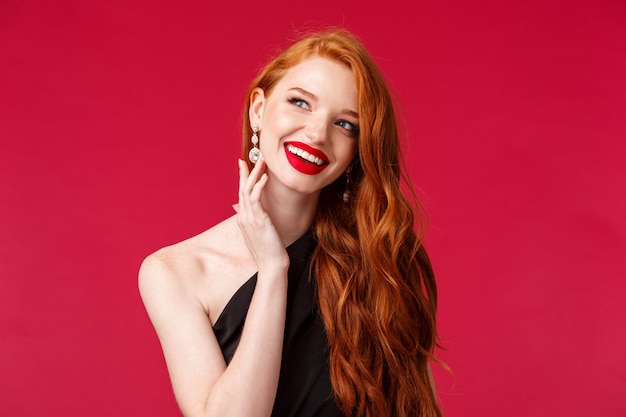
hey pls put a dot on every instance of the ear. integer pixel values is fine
(257, 105)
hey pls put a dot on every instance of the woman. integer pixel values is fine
(338, 318)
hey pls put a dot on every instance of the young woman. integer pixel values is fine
(316, 298)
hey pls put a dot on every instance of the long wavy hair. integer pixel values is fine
(376, 289)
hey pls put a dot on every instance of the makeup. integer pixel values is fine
(305, 158)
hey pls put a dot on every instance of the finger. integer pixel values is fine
(243, 173)
(258, 185)
(257, 190)
(254, 176)
(236, 207)
(243, 192)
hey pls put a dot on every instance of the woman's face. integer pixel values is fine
(309, 124)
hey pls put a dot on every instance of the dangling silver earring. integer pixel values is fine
(255, 152)
(346, 192)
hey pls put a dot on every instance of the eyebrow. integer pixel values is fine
(305, 92)
(314, 97)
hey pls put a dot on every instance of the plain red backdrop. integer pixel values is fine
(119, 134)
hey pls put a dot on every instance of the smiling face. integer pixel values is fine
(309, 124)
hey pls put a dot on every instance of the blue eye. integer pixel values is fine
(299, 102)
(348, 126)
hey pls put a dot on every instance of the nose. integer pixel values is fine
(317, 130)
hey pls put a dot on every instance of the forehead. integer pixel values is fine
(318, 75)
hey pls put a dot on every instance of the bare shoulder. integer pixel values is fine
(203, 270)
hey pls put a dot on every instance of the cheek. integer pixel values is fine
(277, 118)
(348, 150)
(283, 124)
(275, 128)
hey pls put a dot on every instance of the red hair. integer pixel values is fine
(376, 289)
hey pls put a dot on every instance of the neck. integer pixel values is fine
(292, 213)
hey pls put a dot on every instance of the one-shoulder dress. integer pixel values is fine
(304, 388)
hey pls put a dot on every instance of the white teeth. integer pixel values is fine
(305, 155)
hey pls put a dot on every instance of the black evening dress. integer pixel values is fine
(304, 388)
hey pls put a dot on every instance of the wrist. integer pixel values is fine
(275, 271)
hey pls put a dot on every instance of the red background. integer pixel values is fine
(120, 126)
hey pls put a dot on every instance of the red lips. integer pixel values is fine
(302, 165)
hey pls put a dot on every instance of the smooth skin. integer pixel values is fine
(186, 286)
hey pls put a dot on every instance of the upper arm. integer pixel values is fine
(192, 353)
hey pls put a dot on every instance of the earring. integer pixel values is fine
(255, 152)
(346, 192)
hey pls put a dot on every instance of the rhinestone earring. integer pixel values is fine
(346, 193)
(255, 152)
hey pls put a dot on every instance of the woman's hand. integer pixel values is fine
(260, 235)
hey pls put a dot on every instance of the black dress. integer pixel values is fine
(304, 388)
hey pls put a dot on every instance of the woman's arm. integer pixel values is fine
(203, 384)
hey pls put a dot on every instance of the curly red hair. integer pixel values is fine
(376, 288)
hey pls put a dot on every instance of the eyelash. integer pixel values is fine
(295, 101)
(351, 127)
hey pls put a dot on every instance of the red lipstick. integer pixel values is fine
(302, 165)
